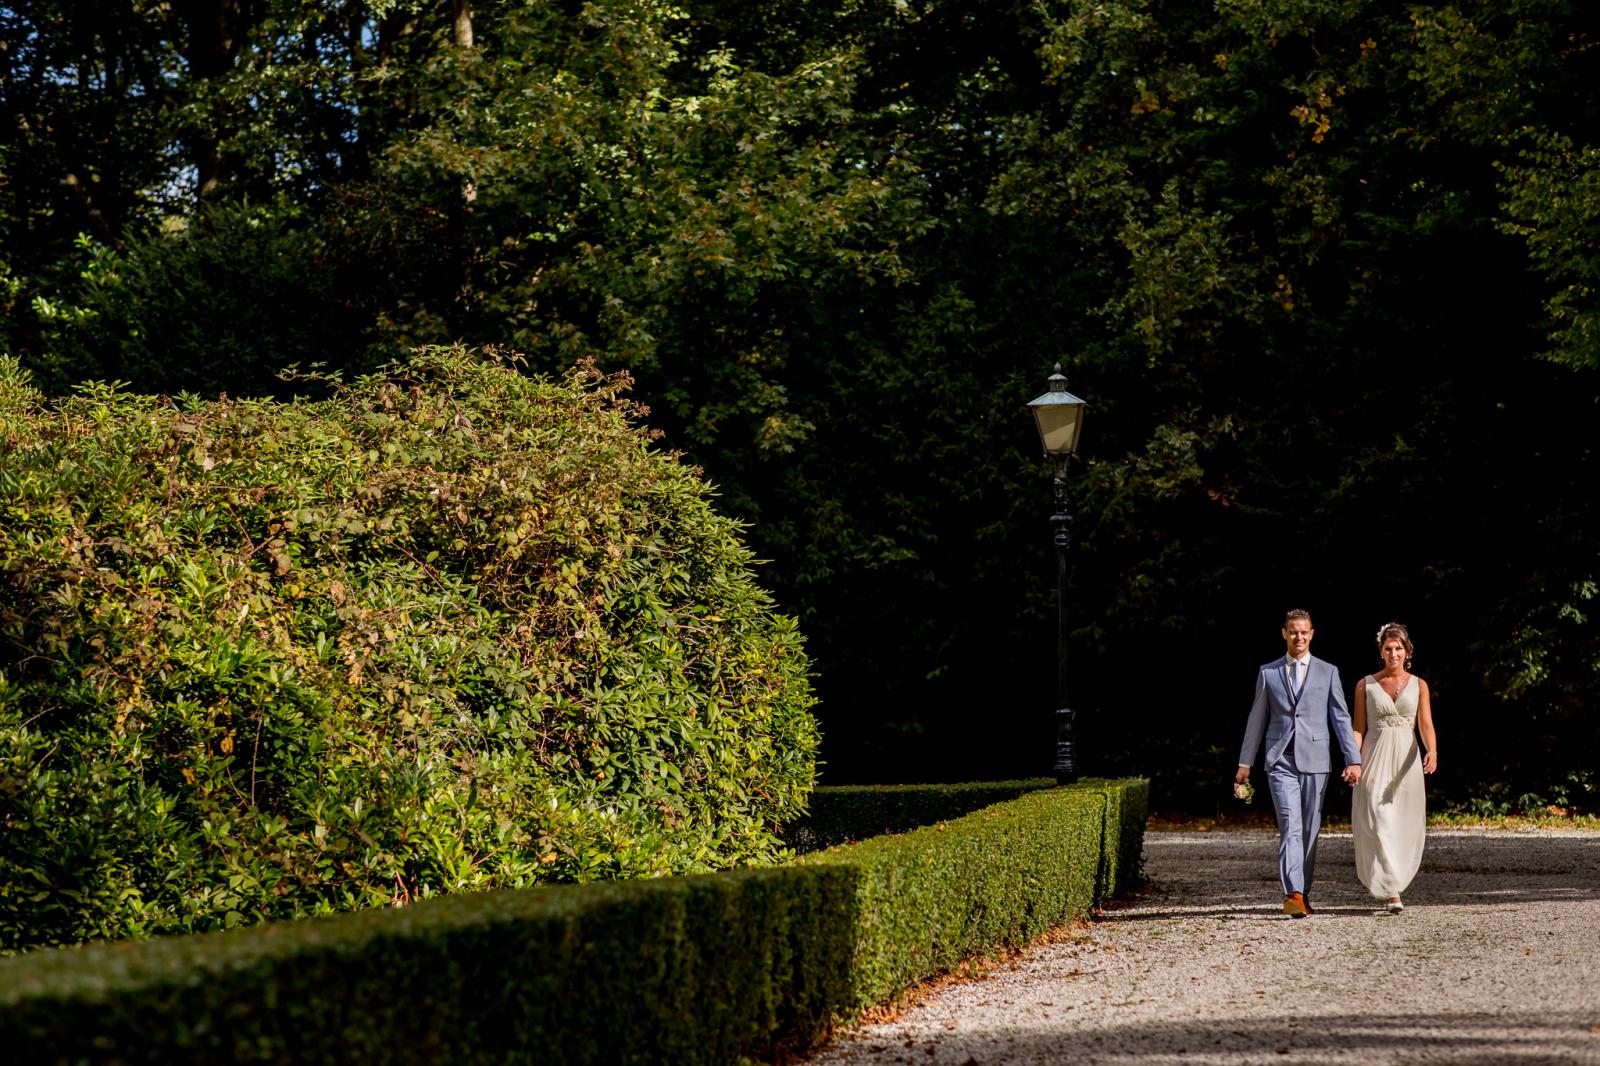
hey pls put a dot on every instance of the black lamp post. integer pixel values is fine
(1059, 415)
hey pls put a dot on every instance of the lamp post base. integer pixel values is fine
(1066, 755)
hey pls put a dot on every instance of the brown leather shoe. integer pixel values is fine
(1294, 905)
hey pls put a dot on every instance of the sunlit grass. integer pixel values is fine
(1258, 817)
(1548, 819)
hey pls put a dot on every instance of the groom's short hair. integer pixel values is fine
(1296, 613)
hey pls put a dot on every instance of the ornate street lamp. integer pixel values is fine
(1059, 416)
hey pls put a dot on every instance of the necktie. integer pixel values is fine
(1294, 678)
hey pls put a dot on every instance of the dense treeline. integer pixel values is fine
(1325, 271)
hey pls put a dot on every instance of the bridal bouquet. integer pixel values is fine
(1244, 790)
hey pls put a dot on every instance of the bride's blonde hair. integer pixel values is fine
(1395, 631)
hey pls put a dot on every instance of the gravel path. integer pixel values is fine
(1496, 959)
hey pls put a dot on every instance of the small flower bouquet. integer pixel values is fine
(1244, 790)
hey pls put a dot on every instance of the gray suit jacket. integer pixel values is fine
(1308, 722)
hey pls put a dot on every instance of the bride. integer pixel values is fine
(1388, 814)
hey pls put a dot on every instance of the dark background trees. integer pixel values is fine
(1325, 272)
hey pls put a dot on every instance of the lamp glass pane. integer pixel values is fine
(1058, 426)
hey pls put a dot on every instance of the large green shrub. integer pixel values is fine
(453, 628)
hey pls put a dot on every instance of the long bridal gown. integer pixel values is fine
(1388, 814)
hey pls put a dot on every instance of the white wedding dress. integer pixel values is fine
(1388, 813)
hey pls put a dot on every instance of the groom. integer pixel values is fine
(1299, 705)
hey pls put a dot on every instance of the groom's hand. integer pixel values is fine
(1242, 776)
(1352, 773)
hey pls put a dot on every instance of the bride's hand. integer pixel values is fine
(1430, 762)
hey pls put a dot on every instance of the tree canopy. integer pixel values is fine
(1325, 272)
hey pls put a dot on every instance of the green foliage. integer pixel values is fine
(993, 879)
(682, 970)
(1127, 806)
(1553, 201)
(453, 628)
(838, 814)
(1293, 253)
(208, 306)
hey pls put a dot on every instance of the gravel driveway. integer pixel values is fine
(1496, 959)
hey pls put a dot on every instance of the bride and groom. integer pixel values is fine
(1300, 713)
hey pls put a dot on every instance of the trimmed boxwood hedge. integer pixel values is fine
(993, 879)
(838, 814)
(692, 969)
(1127, 807)
(684, 970)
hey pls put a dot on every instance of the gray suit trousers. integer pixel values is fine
(1297, 801)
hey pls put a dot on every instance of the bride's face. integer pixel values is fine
(1393, 654)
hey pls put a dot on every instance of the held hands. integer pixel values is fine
(1351, 774)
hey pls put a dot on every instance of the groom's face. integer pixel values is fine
(1297, 637)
